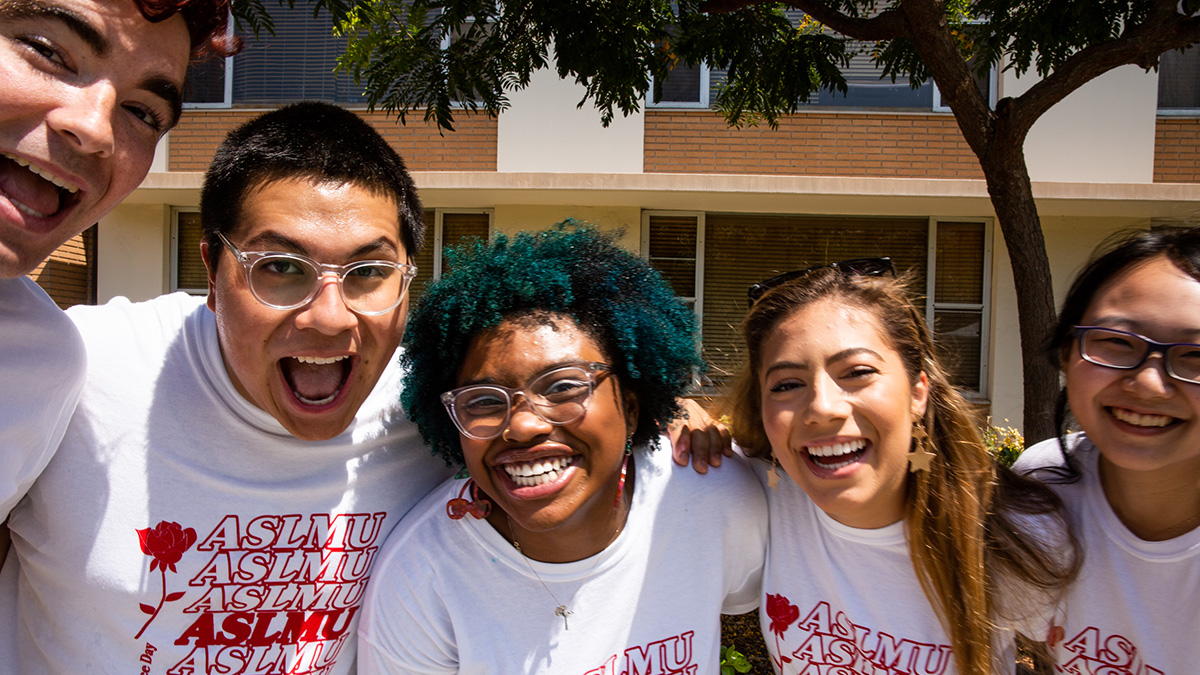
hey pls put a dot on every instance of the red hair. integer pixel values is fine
(207, 23)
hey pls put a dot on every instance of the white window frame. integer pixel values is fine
(698, 282)
(701, 104)
(983, 307)
(173, 253)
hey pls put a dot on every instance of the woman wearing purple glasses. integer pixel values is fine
(1127, 342)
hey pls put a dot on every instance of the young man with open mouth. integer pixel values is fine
(89, 88)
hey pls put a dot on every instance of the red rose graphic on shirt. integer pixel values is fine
(166, 543)
(782, 614)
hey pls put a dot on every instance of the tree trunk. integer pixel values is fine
(1012, 197)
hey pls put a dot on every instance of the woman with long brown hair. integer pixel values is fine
(897, 544)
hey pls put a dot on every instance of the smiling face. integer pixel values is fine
(89, 88)
(311, 367)
(1141, 419)
(838, 409)
(556, 483)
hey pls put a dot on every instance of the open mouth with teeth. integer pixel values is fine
(314, 380)
(1142, 420)
(533, 474)
(34, 191)
(536, 478)
(835, 456)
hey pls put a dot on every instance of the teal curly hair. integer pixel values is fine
(616, 298)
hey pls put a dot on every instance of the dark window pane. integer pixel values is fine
(294, 64)
(205, 82)
(1179, 79)
(190, 274)
(959, 339)
(682, 85)
(741, 250)
(959, 263)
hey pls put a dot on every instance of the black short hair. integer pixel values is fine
(315, 141)
(647, 334)
(1120, 251)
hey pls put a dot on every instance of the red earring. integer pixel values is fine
(479, 507)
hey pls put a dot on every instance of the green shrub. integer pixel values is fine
(1003, 443)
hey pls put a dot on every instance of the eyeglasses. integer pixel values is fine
(1126, 351)
(558, 396)
(290, 280)
(868, 267)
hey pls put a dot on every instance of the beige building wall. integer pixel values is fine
(544, 130)
(131, 248)
(1102, 133)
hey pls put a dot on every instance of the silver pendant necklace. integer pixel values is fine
(560, 608)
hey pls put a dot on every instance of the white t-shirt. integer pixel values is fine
(839, 599)
(454, 596)
(42, 366)
(180, 529)
(1135, 608)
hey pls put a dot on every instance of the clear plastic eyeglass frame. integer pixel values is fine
(281, 296)
(558, 396)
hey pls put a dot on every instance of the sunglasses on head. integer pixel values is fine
(868, 267)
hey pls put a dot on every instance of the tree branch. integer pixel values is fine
(1165, 29)
(886, 25)
(938, 49)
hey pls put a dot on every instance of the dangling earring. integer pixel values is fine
(773, 474)
(920, 458)
(479, 507)
(624, 468)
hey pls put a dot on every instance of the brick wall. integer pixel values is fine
(69, 275)
(471, 148)
(816, 144)
(1177, 150)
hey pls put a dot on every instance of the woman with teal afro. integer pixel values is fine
(548, 364)
(578, 271)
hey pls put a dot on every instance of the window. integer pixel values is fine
(209, 84)
(1179, 82)
(948, 263)
(444, 230)
(685, 87)
(295, 64)
(187, 271)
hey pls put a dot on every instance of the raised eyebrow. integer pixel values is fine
(74, 21)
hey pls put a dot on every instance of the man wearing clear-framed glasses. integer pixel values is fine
(235, 460)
